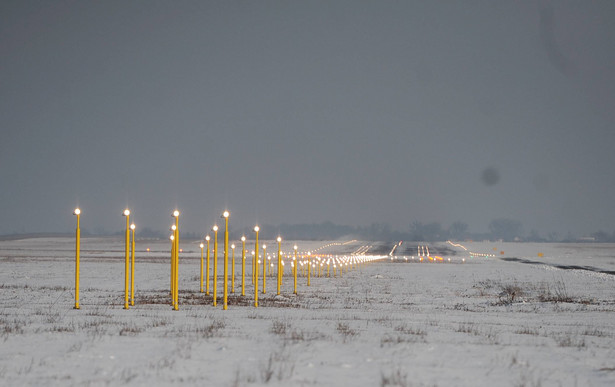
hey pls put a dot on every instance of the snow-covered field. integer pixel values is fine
(509, 319)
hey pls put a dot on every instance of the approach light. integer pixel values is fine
(215, 228)
(279, 239)
(243, 238)
(126, 212)
(225, 214)
(201, 245)
(207, 238)
(175, 214)
(132, 226)
(256, 228)
(77, 211)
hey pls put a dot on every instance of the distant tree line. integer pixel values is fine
(498, 229)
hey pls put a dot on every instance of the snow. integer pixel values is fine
(392, 322)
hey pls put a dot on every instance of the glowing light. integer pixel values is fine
(132, 226)
(172, 237)
(215, 228)
(256, 228)
(147, 249)
(126, 212)
(233, 246)
(77, 211)
(243, 238)
(207, 238)
(202, 245)
(173, 227)
(295, 247)
(175, 214)
(279, 239)
(225, 214)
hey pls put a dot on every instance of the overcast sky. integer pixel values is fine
(307, 111)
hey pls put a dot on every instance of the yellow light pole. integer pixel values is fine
(295, 269)
(207, 238)
(172, 237)
(264, 269)
(255, 268)
(243, 265)
(225, 215)
(279, 264)
(215, 279)
(77, 212)
(309, 267)
(132, 266)
(126, 213)
(233, 268)
(176, 301)
(201, 246)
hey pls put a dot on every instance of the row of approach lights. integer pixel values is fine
(308, 266)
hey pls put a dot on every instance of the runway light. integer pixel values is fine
(132, 226)
(215, 228)
(256, 228)
(77, 251)
(201, 245)
(243, 238)
(207, 238)
(225, 214)
(127, 276)
(175, 213)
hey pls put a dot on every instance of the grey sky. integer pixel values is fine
(348, 111)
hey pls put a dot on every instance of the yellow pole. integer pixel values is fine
(172, 237)
(176, 215)
(279, 264)
(255, 268)
(202, 246)
(207, 266)
(243, 265)
(264, 269)
(233, 268)
(132, 266)
(295, 262)
(127, 240)
(215, 265)
(225, 215)
(309, 269)
(77, 250)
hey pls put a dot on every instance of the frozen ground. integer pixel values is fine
(512, 319)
